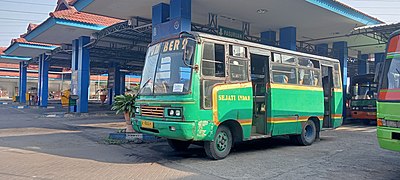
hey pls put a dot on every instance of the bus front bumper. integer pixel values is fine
(385, 138)
(363, 115)
(185, 131)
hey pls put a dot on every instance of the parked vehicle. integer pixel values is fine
(364, 92)
(389, 97)
(215, 91)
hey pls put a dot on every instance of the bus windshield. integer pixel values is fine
(165, 71)
(365, 90)
(390, 87)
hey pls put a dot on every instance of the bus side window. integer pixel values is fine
(309, 73)
(239, 69)
(213, 63)
(284, 74)
(336, 76)
(277, 58)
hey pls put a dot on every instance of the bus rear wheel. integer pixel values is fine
(307, 136)
(222, 144)
(179, 145)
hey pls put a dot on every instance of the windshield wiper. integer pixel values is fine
(144, 85)
(397, 70)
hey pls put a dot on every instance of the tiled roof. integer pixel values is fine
(31, 27)
(73, 15)
(70, 2)
(2, 49)
(24, 41)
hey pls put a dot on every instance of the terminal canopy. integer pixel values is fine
(313, 19)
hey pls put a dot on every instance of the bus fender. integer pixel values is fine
(205, 130)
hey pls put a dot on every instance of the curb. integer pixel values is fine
(75, 115)
(21, 107)
(38, 107)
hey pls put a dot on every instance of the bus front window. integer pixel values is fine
(165, 71)
(393, 74)
(364, 91)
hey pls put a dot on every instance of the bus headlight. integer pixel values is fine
(178, 113)
(171, 112)
(174, 112)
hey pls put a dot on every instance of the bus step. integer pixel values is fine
(259, 136)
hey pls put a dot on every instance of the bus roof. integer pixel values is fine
(262, 46)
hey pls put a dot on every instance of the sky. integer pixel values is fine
(15, 14)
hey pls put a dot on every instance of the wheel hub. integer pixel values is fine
(222, 141)
(309, 132)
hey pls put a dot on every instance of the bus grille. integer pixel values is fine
(152, 111)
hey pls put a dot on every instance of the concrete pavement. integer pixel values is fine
(74, 148)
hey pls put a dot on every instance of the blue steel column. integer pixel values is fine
(268, 38)
(180, 18)
(22, 82)
(39, 88)
(122, 90)
(379, 58)
(44, 81)
(181, 10)
(83, 75)
(117, 81)
(287, 38)
(340, 52)
(322, 49)
(160, 14)
(362, 64)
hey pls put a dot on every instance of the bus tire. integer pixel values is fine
(178, 145)
(308, 134)
(221, 146)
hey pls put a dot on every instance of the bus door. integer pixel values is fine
(259, 78)
(328, 88)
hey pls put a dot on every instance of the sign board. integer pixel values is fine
(231, 33)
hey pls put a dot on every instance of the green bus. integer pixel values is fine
(388, 110)
(364, 92)
(214, 91)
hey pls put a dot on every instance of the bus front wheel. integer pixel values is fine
(179, 145)
(307, 136)
(222, 144)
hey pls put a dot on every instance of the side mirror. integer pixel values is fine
(188, 54)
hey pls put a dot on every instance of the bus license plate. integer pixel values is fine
(372, 113)
(147, 124)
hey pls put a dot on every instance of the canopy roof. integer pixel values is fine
(66, 25)
(314, 19)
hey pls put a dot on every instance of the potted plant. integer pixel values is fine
(125, 104)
